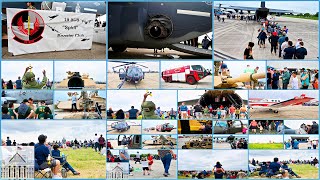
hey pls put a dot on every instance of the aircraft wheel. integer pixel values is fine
(118, 48)
(191, 80)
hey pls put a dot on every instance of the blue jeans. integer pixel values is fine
(166, 160)
(96, 146)
(68, 166)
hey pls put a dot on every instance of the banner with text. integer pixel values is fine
(33, 31)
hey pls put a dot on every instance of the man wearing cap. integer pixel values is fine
(29, 81)
(41, 153)
(285, 78)
(148, 108)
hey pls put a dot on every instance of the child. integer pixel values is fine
(145, 166)
(56, 154)
(150, 161)
(218, 167)
(237, 113)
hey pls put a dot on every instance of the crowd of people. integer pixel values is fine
(134, 113)
(303, 79)
(208, 112)
(145, 160)
(27, 110)
(295, 144)
(277, 36)
(266, 126)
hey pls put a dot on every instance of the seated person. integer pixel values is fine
(12, 113)
(286, 167)
(43, 112)
(274, 167)
(264, 169)
(56, 154)
(5, 112)
(41, 153)
(24, 111)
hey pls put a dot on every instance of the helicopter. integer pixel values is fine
(129, 72)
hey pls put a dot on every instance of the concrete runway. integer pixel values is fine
(288, 112)
(205, 83)
(150, 81)
(232, 37)
(98, 51)
(132, 130)
(173, 131)
(135, 53)
(222, 145)
(157, 170)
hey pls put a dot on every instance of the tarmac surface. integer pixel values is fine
(135, 53)
(132, 130)
(232, 37)
(150, 81)
(157, 170)
(173, 131)
(205, 83)
(78, 115)
(182, 141)
(288, 112)
(98, 51)
(222, 145)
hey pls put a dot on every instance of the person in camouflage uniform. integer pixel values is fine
(148, 108)
(85, 101)
(29, 80)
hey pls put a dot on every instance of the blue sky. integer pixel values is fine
(268, 155)
(28, 131)
(296, 6)
(124, 99)
(206, 159)
(95, 69)
(283, 94)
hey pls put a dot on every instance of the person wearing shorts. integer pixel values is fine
(41, 152)
(145, 166)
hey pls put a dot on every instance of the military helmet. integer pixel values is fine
(30, 76)
(148, 108)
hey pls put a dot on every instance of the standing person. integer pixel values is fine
(96, 142)
(198, 111)
(145, 166)
(281, 40)
(301, 52)
(184, 111)
(294, 81)
(101, 142)
(137, 158)
(14, 143)
(9, 85)
(316, 82)
(74, 102)
(305, 80)
(298, 43)
(205, 43)
(262, 38)
(166, 157)
(133, 113)
(172, 114)
(248, 54)
(284, 45)
(8, 142)
(232, 110)
(285, 78)
(289, 52)
(150, 161)
(273, 40)
(275, 80)
(30, 5)
(48, 84)
(19, 83)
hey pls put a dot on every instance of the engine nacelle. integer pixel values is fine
(159, 27)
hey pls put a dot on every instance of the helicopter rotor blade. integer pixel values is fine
(141, 65)
(120, 65)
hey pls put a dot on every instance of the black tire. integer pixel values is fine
(191, 80)
(118, 49)
(169, 79)
(184, 147)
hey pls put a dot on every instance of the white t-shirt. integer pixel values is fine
(223, 112)
(96, 139)
(295, 83)
(144, 163)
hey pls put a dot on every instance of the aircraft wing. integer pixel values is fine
(241, 8)
(280, 11)
(291, 102)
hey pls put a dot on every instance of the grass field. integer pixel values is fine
(265, 146)
(190, 177)
(306, 171)
(89, 163)
(302, 17)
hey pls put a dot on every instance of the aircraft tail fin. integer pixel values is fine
(263, 4)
